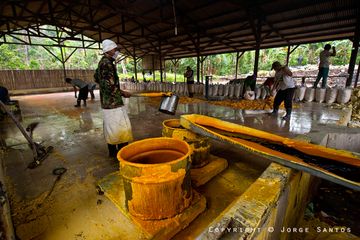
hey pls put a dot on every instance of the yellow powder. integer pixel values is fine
(259, 104)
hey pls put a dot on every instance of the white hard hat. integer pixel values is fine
(108, 45)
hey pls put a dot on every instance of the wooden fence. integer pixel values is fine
(35, 79)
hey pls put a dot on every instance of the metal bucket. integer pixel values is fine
(168, 105)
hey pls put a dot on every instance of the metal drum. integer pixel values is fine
(156, 176)
(200, 145)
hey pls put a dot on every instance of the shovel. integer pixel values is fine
(39, 151)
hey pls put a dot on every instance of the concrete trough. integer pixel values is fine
(278, 198)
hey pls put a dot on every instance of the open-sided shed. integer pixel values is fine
(181, 28)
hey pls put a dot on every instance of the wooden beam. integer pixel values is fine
(274, 44)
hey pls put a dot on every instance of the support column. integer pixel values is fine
(256, 62)
(153, 67)
(198, 68)
(289, 52)
(63, 61)
(174, 62)
(135, 63)
(62, 58)
(164, 70)
(288, 55)
(357, 75)
(354, 53)
(238, 56)
(161, 70)
(160, 60)
(201, 70)
(202, 59)
(198, 58)
(236, 64)
(257, 48)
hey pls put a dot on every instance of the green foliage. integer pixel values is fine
(36, 57)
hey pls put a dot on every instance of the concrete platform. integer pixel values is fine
(113, 187)
(74, 210)
(200, 176)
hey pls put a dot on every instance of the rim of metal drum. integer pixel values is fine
(170, 120)
(187, 155)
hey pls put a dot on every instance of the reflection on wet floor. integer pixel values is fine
(59, 120)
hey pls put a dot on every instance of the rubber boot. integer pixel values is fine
(274, 112)
(84, 103)
(121, 145)
(112, 150)
(288, 114)
(77, 103)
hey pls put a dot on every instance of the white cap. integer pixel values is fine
(108, 45)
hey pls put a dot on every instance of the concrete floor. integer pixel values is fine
(74, 210)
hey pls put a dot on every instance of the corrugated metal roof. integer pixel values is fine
(208, 26)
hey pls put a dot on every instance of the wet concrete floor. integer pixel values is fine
(74, 210)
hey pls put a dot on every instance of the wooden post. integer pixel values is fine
(161, 70)
(256, 62)
(198, 68)
(61, 51)
(153, 67)
(236, 64)
(175, 66)
(357, 75)
(257, 48)
(164, 70)
(238, 56)
(160, 60)
(354, 53)
(198, 58)
(202, 69)
(135, 63)
(288, 55)
(63, 61)
(202, 59)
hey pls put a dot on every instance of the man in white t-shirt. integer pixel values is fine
(324, 65)
(285, 85)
